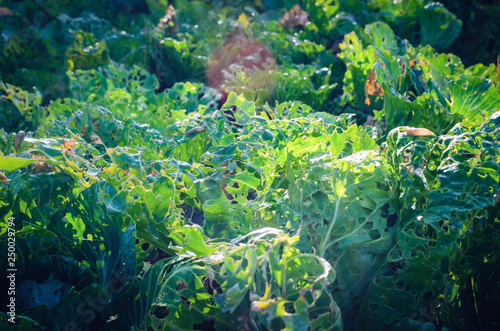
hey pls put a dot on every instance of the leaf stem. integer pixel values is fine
(332, 224)
(283, 270)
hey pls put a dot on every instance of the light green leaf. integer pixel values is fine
(11, 164)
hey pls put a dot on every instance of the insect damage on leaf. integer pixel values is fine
(414, 62)
(372, 87)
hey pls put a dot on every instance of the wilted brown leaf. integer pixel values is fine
(169, 22)
(418, 132)
(3, 178)
(40, 166)
(68, 146)
(372, 87)
(195, 130)
(18, 140)
(4, 11)
(295, 17)
(96, 139)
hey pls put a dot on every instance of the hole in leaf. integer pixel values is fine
(160, 312)
(374, 234)
(391, 220)
(289, 308)
(277, 324)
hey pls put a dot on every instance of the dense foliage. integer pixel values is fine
(249, 165)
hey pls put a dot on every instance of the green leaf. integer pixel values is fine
(382, 36)
(49, 292)
(266, 264)
(192, 239)
(20, 322)
(62, 268)
(439, 27)
(86, 52)
(149, 291)
(179, 286)
(106, 247)
(75, 309)
(11, 164)
(359, 61)
(320, 12)
(443, 187)
(472, 97)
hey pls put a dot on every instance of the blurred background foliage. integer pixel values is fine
(43, 40)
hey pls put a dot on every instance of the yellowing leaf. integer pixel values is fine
(243, 20)
(113, 169)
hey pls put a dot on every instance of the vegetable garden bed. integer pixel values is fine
(248, 165)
